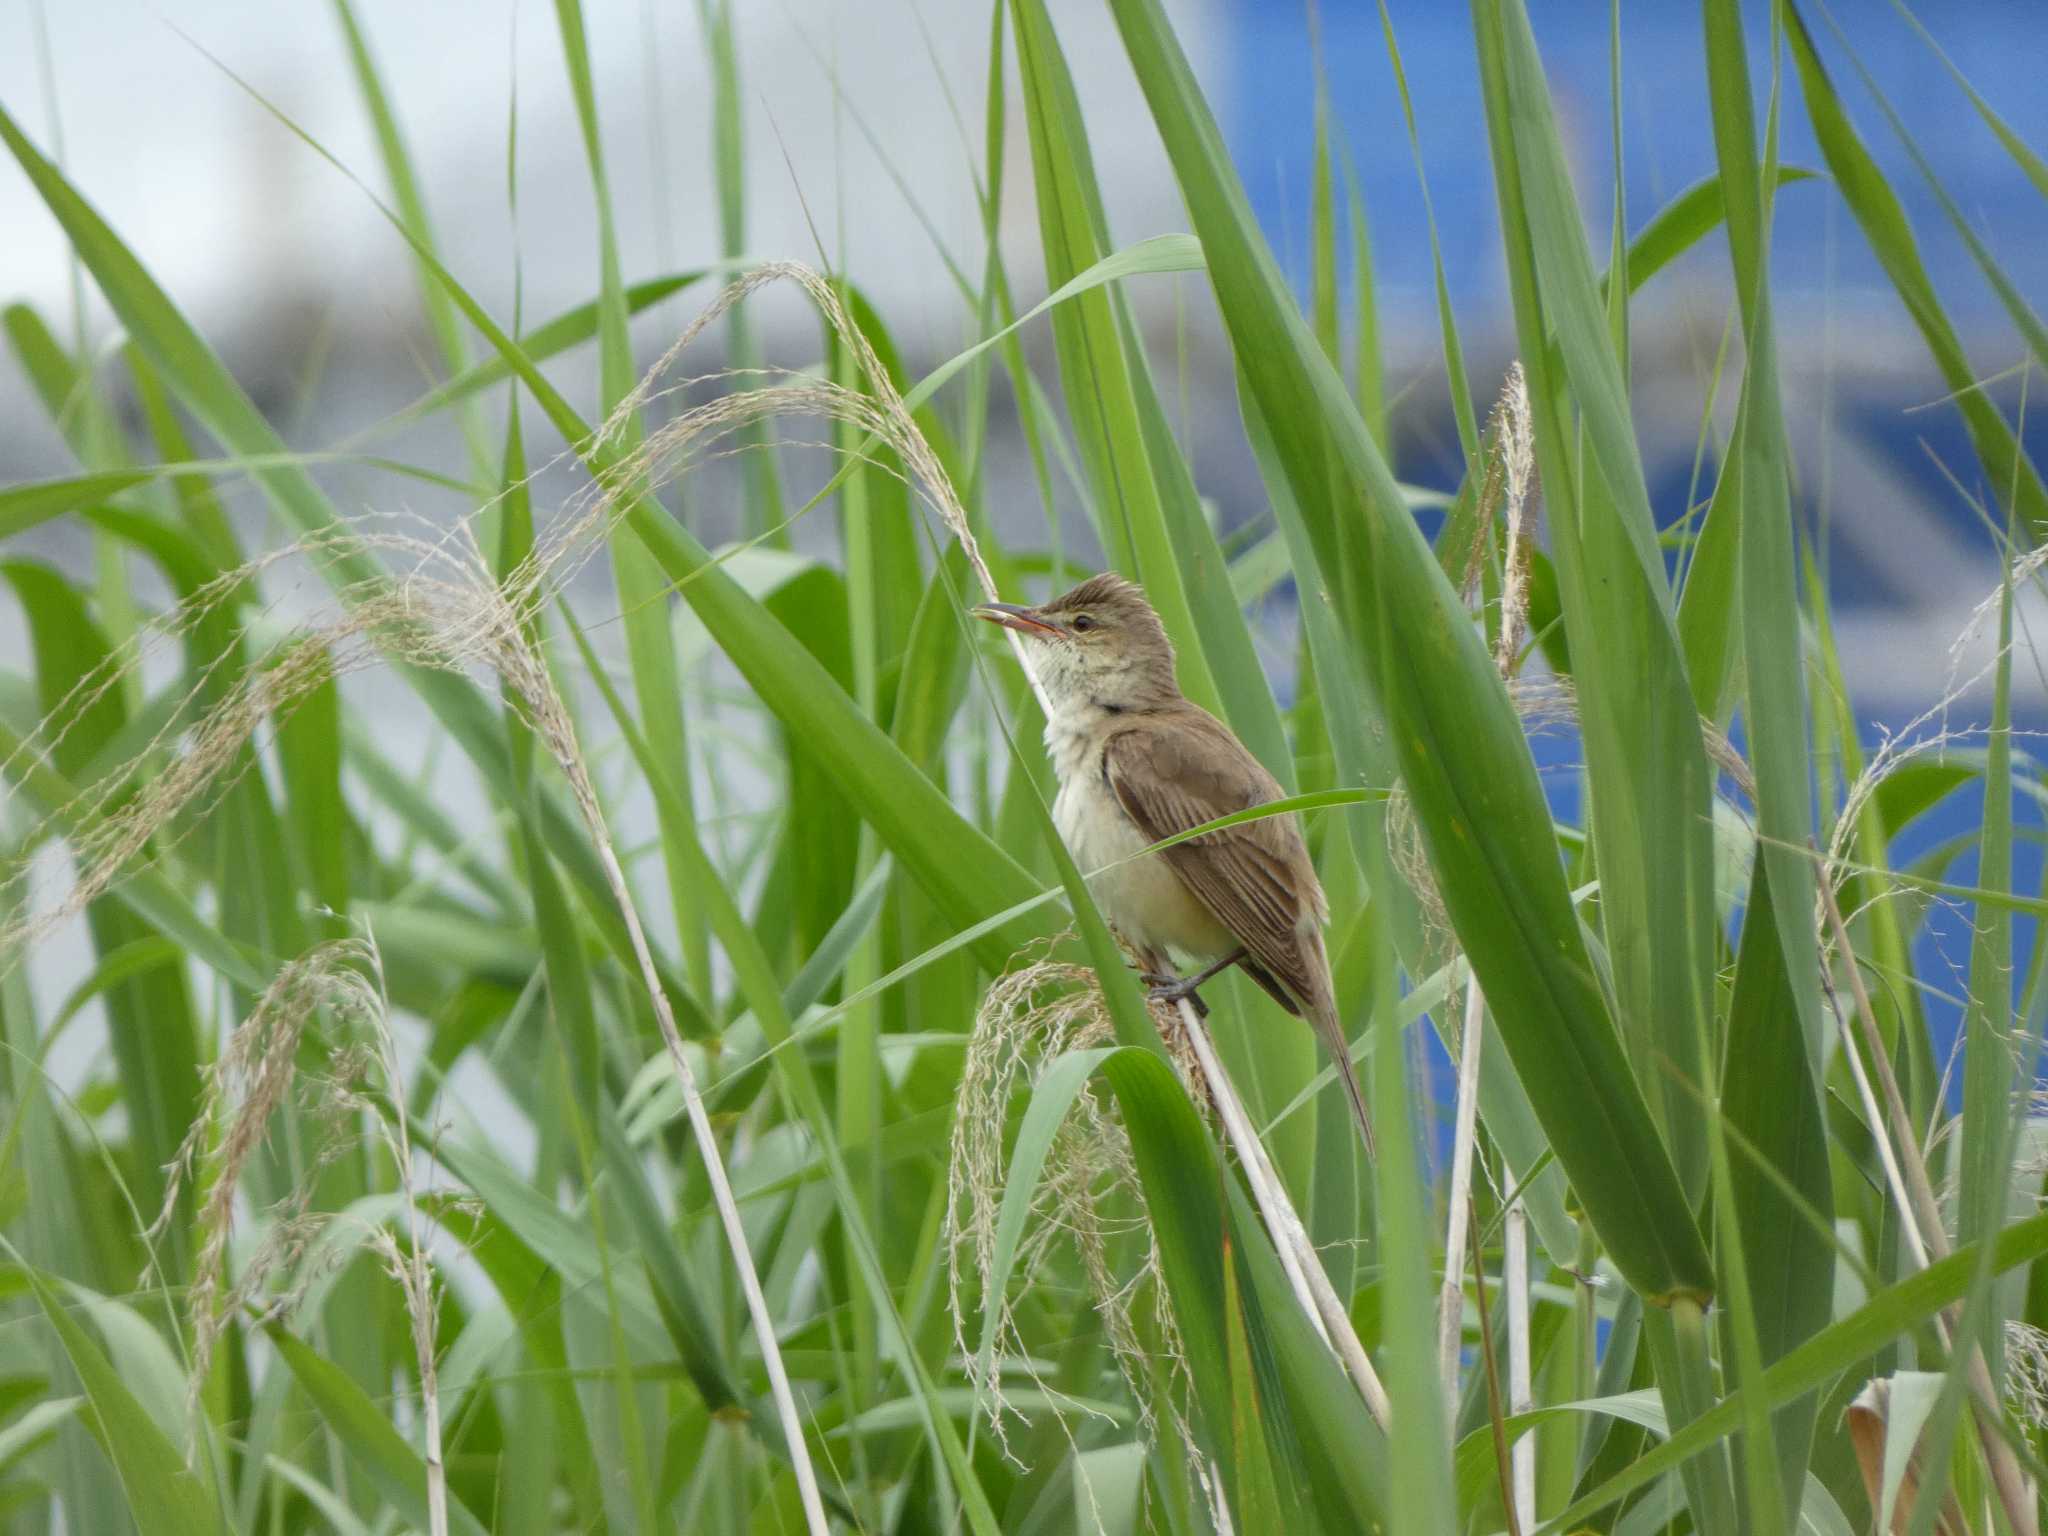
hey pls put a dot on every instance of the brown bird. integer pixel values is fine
(1137, 763)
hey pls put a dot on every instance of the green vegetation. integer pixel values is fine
(463, 1167)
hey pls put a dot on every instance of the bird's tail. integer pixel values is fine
(1326, 1023)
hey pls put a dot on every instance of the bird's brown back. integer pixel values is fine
(1178, 767)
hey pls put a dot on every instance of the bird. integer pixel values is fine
(1138, 762)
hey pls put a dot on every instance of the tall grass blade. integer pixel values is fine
(1756, 520)
(1447, 325)
(1095, 369)
(1882, 218)
(2018, 311)
(642, 597)
(1650, 787)
(411, 204)
(151, 1471)
(2023, 154)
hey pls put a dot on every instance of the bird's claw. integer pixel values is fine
(1170, 989)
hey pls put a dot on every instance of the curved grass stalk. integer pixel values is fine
(1451, 1303)
(1298, 1256)
(714, 1169)
(1521, 1396)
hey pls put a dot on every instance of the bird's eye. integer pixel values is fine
(1082, 623)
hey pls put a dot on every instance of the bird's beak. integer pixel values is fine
(1011, 616)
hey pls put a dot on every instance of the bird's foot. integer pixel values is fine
(1165, 987)
(1169, 988)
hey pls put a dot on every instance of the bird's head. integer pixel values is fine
(1101, 643)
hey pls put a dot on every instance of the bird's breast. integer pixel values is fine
(1142, 897)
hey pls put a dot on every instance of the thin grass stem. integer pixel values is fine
(1451, 1303)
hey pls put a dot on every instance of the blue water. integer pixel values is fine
(1823, 272)
(1667, 132)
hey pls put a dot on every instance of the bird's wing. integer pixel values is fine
(1173, 773)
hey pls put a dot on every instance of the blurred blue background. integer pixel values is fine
(1830, 294)
(1667, 130)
